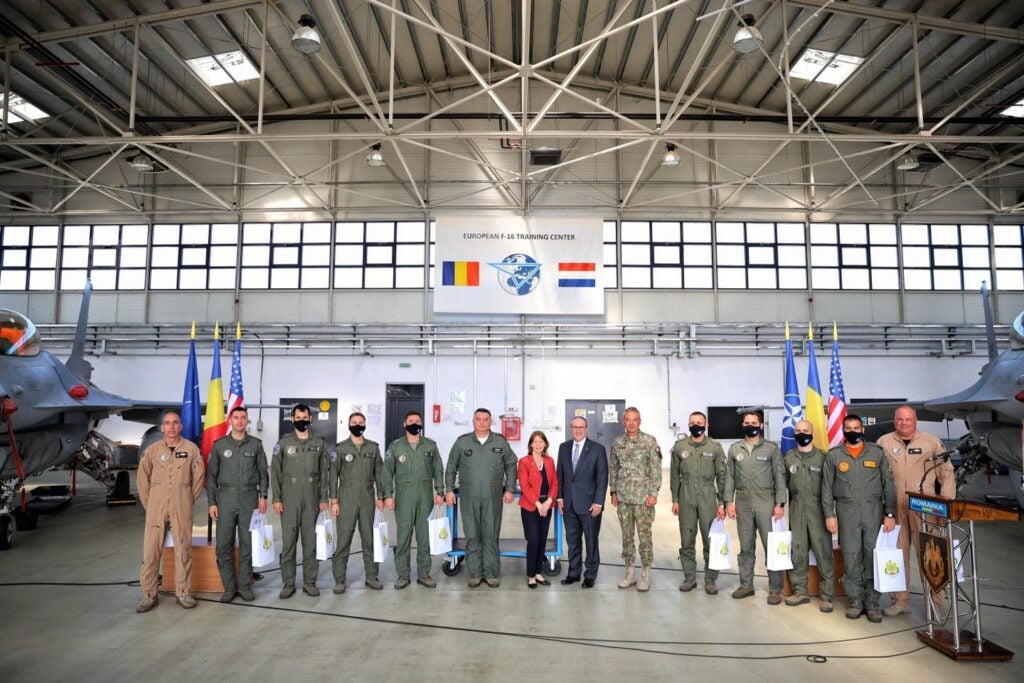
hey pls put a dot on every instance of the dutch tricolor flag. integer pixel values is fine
(576, 274)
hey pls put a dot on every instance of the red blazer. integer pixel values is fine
(529, 481)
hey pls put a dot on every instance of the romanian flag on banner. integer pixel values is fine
(576, 274)
(214, 426)
(815, 412)
(460, 274)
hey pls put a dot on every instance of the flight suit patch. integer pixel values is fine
(402, 458)
(277, 449)
(814, 468)
(498, 450)
(792, 469)
(897, 450)
(349, 457)
(684, 455)
(844, 466)
(914, 451)
(740, 456)
(467, 453)
(708, 455)
(870, 463)
(291, 450)
(165, 457)
(228, 453)
(181, 454)
(333, 456)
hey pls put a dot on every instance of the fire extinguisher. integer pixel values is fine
(437, 413)
(511, 427)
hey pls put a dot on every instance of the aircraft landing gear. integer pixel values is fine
(6, 531)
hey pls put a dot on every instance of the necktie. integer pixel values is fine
(575, 455)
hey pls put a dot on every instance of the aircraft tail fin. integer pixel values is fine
(76, 362)
(990, 330)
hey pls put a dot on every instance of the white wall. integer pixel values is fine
(652, 384)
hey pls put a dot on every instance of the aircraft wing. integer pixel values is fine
(149, 412)
(883, 410)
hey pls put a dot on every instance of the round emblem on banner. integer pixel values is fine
(792, 469)
(228, 453)
(844, 466)
(740, 456)
(402, 458)
(348, 457)
(518, 274)
(165, 457)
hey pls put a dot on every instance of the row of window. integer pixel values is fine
(400, 255)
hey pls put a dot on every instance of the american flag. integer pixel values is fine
(836, 395)
(235, 396)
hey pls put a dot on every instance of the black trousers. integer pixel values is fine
(535, 528)
(580, 528)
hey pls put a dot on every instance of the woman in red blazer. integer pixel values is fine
(538, 483)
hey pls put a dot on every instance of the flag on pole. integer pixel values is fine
(793, 412)
(235, 395)
(191, 424)
(214, 425)
(836, 395)
(815, 408)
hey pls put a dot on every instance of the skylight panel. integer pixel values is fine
(221, 69)
(1014, 110)
(22, 111)
(822, 66)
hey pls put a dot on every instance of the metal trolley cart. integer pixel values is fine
(507, 547)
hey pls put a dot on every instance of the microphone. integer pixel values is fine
(942, 457)
(936, 460)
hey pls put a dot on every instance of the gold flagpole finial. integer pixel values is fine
(216, 330)
(787, 330)
(835, 331)
(193, 330)
(810, 331)
(238, 330)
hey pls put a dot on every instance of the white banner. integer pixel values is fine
(515, 265)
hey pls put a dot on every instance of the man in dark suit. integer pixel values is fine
(582, 481)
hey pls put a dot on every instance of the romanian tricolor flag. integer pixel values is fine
(460, 274)
(214, 426)
(576, 274)
(815, 410)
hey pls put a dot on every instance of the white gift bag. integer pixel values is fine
(262, 537)
(718, 547)
(440, 532)
(780, 546)
(381, 542)
(958, 562)
(168, 538)
(890, 573)
(812, 561)
(326, 535)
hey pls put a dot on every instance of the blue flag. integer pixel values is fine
(191, 422)
(793, 412)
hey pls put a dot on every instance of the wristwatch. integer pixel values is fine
(890, 515)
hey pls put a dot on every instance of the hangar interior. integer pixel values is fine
(753, 163)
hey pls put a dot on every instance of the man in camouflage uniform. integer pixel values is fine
(635, 479)
(486, 466)
(299, 471)
(355, 485)
(697, 477)
(858, 496)
(236, 485)
(755, 488)
(803, 479)
(413, 482)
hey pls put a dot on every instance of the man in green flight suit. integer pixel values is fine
(804, 466)
(236, 484)
(298, 476)
(413, 482)
(354, 484)
(755, 491)
(697, 483)
(858, 496)
(486, 467)
(634, 478)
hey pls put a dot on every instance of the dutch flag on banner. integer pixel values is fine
(576, 274)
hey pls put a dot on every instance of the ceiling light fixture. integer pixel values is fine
(907, 162)
(306, 38)
(375, 158)
(141, 163)
(671, 158)
(748, 39)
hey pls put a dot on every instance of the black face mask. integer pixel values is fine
(414, 428)
(300, 425)
(356, 430)
(853, 437)
(803, 439)
(751, 431)
(696, 430)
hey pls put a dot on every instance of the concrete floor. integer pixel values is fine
(54, 631)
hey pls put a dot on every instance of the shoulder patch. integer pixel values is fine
(277, 449)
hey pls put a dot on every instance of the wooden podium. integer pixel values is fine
(946, 551)
(814, 578)
(205, 577)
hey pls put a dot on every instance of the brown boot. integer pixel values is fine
(629, 579)
(644, 584)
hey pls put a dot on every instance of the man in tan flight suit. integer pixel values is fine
(910, 454)
(170, 478)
